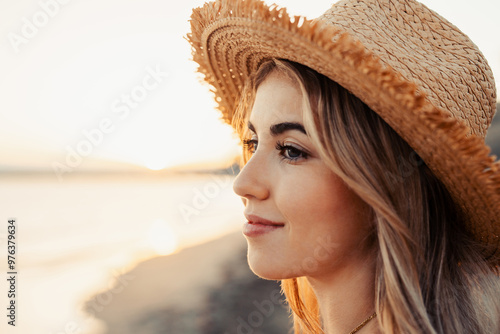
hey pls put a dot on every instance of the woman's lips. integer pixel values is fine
(251, 230)
(257, 226)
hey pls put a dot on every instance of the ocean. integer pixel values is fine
(77, 237)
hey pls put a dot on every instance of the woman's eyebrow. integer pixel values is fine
(279, 128)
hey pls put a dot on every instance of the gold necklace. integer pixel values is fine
(361, 325)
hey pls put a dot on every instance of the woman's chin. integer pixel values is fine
(263, 266)
(264, 273)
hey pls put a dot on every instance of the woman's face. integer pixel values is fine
(322, 227)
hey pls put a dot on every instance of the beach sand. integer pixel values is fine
(203, 289)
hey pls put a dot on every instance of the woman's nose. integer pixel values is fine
(251, 182)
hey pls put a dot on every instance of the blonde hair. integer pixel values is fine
(430, 275)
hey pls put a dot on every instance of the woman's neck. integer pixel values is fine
(346, 298)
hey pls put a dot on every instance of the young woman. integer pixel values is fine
(368, 189)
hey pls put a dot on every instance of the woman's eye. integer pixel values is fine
(250, 145)
(286, 151)
(290, 152)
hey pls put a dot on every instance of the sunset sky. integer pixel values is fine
(64, 83)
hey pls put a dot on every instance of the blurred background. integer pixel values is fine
(119, 172)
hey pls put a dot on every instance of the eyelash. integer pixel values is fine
(250, 145)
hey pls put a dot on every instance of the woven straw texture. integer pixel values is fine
(421, 74)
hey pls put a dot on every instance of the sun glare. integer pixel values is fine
(162, 238)
(156, 165)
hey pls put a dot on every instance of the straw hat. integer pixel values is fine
(421, 74)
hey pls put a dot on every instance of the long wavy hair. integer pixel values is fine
(430, 275)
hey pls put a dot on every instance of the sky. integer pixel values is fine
(108, 84)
